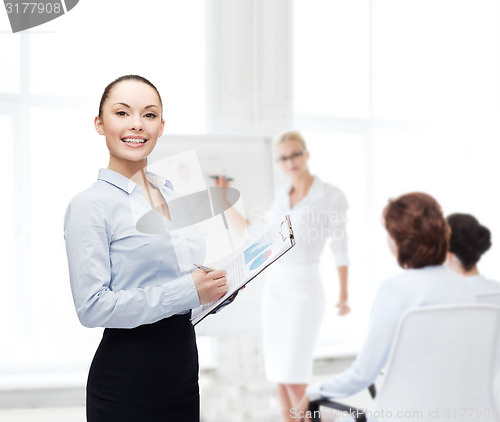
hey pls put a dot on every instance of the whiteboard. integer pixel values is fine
(246, 159)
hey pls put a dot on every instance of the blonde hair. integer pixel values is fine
(291, 135)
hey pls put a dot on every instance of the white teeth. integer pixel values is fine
(134, 141)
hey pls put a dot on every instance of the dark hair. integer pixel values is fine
(417, 225)
(468, 240)
(108, 89)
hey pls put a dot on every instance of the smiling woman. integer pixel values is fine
(138, 286)
(131, 129)
(46, 113)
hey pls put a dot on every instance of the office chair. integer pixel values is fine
(441, 367)
(494, 299)
(318, 406)
(489, 297)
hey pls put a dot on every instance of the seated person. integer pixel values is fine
(418, 236)
(469, 240)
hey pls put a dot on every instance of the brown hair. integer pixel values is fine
(416, 223)
(108, 89)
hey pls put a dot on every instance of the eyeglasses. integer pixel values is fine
(283, 159)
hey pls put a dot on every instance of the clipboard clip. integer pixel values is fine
(286, 227)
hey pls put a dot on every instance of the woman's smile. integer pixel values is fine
(134, 141)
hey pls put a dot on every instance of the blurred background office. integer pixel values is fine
(391, 95)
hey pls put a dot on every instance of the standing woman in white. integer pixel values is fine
(293, 297)
(293, 301)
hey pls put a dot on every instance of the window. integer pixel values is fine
(340, 159)
(9, 299)
(11, 72)
(331, 58)
(49, 95)
(435, 60)
(395, 96)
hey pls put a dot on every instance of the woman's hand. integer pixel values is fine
(344, 308)
(210, 286)
(222, 182)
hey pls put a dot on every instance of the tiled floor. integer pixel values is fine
(77, 414)
(34, 404)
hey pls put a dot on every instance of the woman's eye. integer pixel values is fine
(150, 115)
(121, 113)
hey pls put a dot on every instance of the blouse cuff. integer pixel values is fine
(341, 259)
(182, 294)
(313, 392)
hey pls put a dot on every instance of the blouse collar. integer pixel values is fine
(316, 190)
(128, 185)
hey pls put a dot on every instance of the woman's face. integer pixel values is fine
(292, 158)
(131, 120)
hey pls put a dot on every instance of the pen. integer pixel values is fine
(202, 267)
(227, 179)
(229, 299)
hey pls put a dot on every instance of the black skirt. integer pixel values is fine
(145, 374)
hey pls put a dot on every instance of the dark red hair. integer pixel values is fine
(416, 223)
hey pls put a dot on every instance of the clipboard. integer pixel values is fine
(248, 263)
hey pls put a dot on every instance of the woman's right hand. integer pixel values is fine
(210, 286)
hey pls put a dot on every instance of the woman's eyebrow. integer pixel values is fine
(126, 105)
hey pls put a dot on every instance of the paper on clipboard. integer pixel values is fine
(249, 262)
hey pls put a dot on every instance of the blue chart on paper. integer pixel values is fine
(258, 253)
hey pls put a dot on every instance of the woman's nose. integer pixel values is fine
(136, 123)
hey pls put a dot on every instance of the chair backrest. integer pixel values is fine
(441, 365)
(489, 297)
(494, 299)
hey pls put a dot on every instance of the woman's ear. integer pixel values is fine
(162, 127)
(98, 125)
